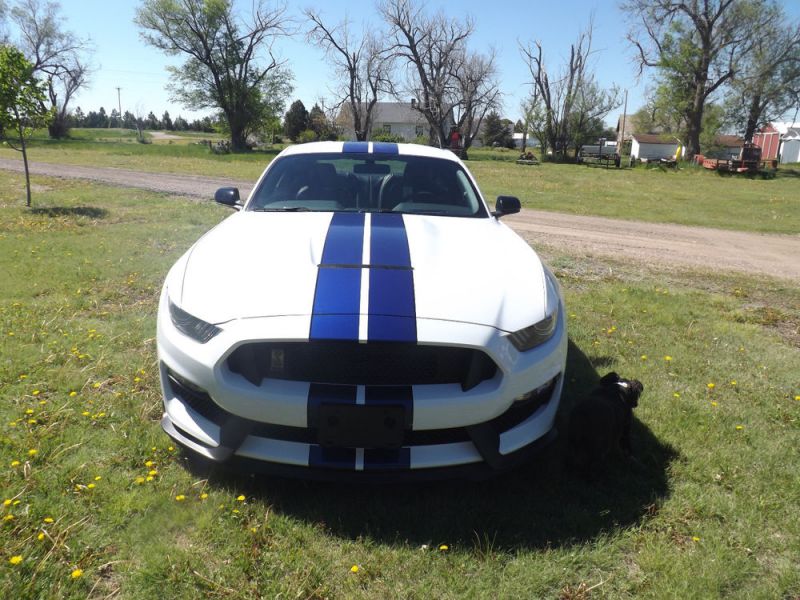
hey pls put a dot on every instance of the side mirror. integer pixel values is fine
(506, 205)
(229, 196)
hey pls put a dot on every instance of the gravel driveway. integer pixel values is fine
(651, 243)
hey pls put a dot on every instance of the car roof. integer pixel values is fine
(369, 148)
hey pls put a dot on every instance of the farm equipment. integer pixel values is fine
(747, 161)
(599, 154)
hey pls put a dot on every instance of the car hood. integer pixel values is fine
(472, 270)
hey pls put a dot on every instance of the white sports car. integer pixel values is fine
(363, 314)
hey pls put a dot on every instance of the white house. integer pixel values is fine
(651, 146)
(392, 118)
(790, 146)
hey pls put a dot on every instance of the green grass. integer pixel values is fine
(707, 509)
(690, 196)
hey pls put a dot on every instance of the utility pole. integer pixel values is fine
(119, 106)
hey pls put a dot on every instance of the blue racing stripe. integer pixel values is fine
(402, 395)
(337, 297)
(384, 460)
(392, 308)
(355, 147)
(385, 148)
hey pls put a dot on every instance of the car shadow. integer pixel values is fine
(71, 211)
(544, 504)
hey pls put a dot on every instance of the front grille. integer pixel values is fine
(352, 363)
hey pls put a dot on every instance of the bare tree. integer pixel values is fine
(697, 45)
(444, 78)
(362, 65)
(58, 57)
(564, 103)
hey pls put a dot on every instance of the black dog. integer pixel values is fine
(601, 422)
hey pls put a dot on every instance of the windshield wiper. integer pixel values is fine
(283, 209)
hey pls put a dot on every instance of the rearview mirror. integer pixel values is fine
(229, 196)
(506, 205)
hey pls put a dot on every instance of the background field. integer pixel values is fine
(690, 196)
(707, 509)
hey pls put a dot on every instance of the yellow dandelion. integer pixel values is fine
(170, 448)
(31, 421)
(668, 358)
(8, 517)
(797, 398)
(739, 427)
(695, 539)
(77, 573)
(15, 560)
(29, 411)
(98, 478)
(354, 569)
(240, 498)
(713, 403)
(33, 452)
(16, 502)
(148, 478)
(35, 392)
(444, 548)
(152, 473)
(48, 519)
(203, 496)
(40, 537)
(136, 379)
(90, 486)
(95, 385)
(73, 394)
(6, 502)
(180, 498)
(676, 394)
(711, 386)
(86, 413)
(139, 480)
(15, 463)
(644, 356)
(733, 382)
(148, 464)
(235, 511)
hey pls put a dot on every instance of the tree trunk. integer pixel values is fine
(694, 127)
(753, 116)
(238, 139)
(25, 161)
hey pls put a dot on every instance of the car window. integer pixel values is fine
(368, 183)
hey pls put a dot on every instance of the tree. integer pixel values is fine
(444, 78)
(563, 106)
(21, 104)
(697, 47)
(58, 57)
(767, 83)
(296, 120)
(166, 121)
(222, 69)
(495, 132)
(128, 120)
(362, 65)
(78, 117)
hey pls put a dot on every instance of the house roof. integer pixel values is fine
(655, 138)
(793, 133)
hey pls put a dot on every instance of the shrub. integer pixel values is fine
(388, 137)
(307, 136)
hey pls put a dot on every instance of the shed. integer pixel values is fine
(769, 138)
(651, 146)
(790, 146)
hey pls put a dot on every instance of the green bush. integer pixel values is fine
(388, 137)
(307, 136)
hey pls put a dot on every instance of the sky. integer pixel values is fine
(122, 60)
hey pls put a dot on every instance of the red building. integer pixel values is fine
(769, 139)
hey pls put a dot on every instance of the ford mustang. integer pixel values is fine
(362, 314)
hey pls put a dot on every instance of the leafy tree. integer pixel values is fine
(496, 132)
(767, 83)
(151, 121)
(296, 120)
(58, 57)
(78, 117)
(697, 47)
(166, 121)
(128, 120)
(180, 124)
(222, 68)
(21, 104)
(114, 119)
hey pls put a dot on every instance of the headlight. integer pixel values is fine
(535, 335)
(198, 330)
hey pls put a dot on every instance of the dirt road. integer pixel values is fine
(651, 243)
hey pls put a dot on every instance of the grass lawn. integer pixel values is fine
(691, 196)
(98, 502)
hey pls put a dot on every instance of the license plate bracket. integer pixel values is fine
(361, 426)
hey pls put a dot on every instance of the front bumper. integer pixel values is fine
(270, 427)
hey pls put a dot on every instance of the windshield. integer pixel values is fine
(367, 183)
